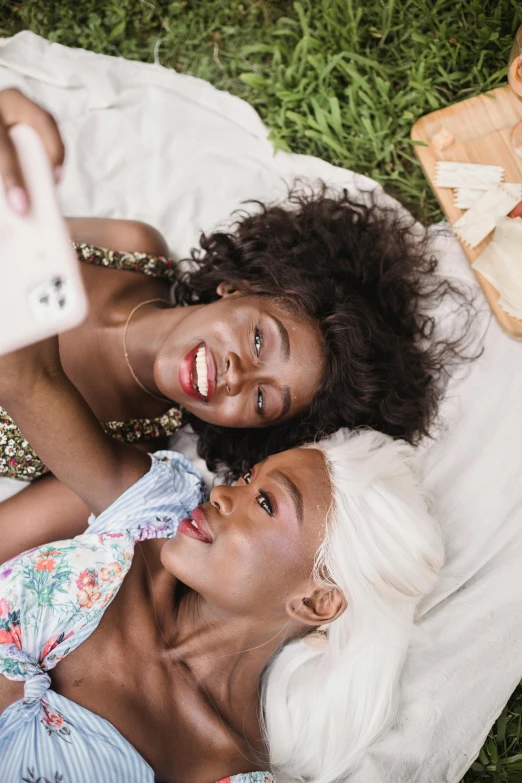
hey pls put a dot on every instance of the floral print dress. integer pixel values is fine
(17, 458)
(52, 598)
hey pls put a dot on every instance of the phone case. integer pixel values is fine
(41, 288)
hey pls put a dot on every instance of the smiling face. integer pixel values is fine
(250, 551)
(242, 361)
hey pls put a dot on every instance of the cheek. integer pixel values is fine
(239, 574)
(257, 573)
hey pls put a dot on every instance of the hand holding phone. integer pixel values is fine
(41, 289)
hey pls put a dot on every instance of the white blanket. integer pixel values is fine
(147, 143)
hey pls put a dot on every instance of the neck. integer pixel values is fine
(227, 655)
(197, 630)
(224, 656)
(227, 658)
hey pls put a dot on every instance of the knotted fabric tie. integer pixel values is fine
(36, 685)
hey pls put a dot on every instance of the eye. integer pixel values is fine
(265, 503)
(258, 341)
(247, 477)
(260, 401)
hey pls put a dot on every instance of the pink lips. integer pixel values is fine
(187, 370)
(201, 533)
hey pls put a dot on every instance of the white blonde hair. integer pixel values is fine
(383, 550)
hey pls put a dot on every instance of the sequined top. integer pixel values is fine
(17, 458)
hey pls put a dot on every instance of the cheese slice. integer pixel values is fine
(509, 308)
(508, 235)
(501, 264)
(479, 221)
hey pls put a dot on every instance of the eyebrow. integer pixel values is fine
(292, 490)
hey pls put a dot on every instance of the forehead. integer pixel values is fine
(285, 309)
(288, 311)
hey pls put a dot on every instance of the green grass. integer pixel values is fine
(341, 79)
(500, 758)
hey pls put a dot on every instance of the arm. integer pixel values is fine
(63, 430)
(131, 236)
(44, 512)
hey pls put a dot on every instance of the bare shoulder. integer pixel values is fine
(139, 237)
(131, 236)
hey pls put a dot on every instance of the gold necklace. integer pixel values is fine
(126, 353)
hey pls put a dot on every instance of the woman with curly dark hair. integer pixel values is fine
(365, 274)
(302, 318)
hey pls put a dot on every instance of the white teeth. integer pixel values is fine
(201, 371)
(194, 525)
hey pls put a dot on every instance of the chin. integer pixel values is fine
(177, 560)
(202, 412)
(166, 384)
(168, 555)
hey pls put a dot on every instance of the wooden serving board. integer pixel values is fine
(482, 128)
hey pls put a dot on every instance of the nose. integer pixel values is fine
(221, 498)
(236, 373)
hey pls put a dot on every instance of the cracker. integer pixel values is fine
(464, 198)
(467, 175)
(479, 221)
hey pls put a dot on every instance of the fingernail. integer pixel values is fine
(17, 198)
(58, 170)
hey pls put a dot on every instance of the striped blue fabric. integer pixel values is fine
(169, 491)
(45, 736)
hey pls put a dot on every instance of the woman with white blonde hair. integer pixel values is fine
(330, 694)
(258, 634)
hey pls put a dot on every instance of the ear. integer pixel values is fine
(224, 290)
(324, 605)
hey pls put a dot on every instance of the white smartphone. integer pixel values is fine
(41, 289)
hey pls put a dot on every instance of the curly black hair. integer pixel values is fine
(364, 273)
